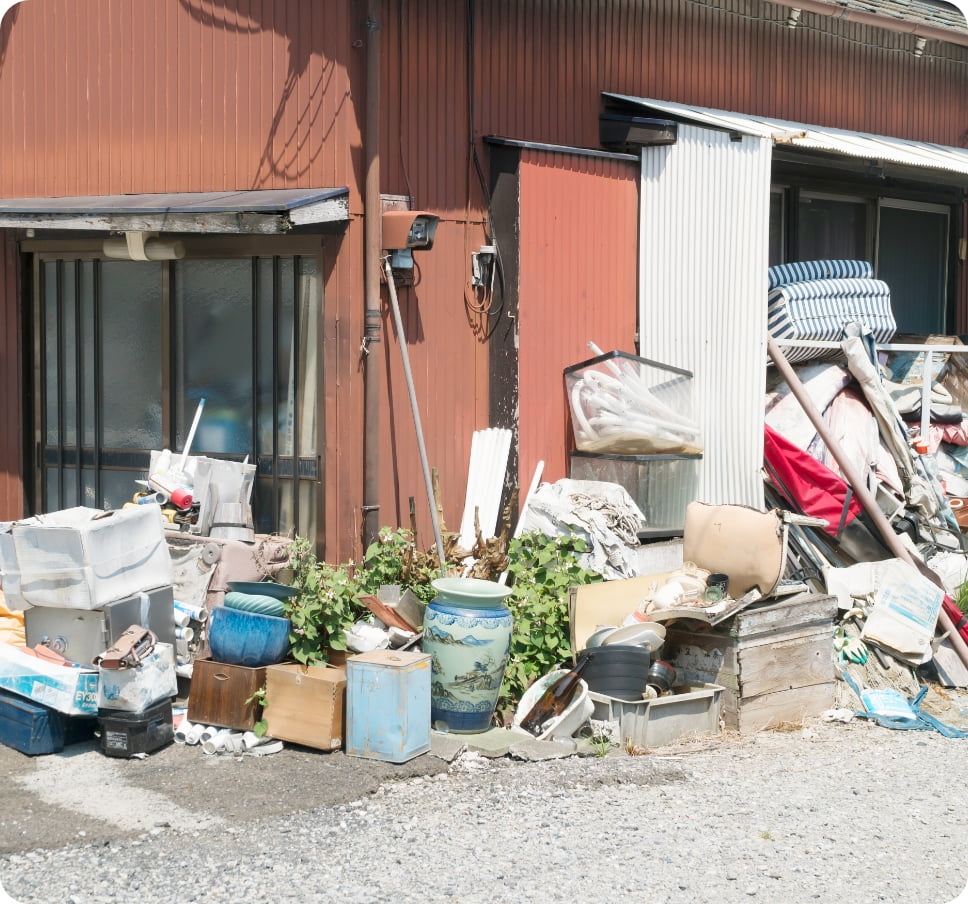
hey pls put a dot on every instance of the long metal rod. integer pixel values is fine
(415, 409)
(864, 496)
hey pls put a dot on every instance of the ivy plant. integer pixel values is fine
(542, 569)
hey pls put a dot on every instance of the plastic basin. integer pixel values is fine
(247, 638)
(618, 670)
(576, 714)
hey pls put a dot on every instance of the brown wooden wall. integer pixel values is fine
(115, 96)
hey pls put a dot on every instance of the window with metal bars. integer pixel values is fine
(124, 351)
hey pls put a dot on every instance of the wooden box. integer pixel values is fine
(306, 704)
(775, 661)
(388, 705)
(221, 694)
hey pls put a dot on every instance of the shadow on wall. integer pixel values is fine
(300, 111)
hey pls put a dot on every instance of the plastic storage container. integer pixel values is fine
(693, 711)
(127, 734)
(661, 485)
(626, 405)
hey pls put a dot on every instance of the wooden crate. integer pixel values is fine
(222, 694)
(775, 661)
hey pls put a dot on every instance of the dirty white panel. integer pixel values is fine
(702, 292)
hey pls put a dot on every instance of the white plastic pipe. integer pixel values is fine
(216, 742)
(191, 435)
(181, 733)
(194, 735)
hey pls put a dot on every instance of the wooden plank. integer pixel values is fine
(795, 705)
(795, 612)
(785, 666)
(825, 629)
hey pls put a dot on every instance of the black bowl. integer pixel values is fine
(618, 670)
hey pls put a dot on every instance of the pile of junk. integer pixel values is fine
(844, 597)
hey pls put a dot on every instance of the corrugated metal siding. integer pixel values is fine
(578, 254)
(11, 362)
(113, 97)
(704, 231)
(448, 359)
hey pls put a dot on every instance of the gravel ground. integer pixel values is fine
(827, 812)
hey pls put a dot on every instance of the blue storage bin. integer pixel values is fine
(35, 729)
(388, 705)
(247, 638)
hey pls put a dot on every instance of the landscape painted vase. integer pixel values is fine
(467, 632)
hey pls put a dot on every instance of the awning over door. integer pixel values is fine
(265, 212)
(878, 148)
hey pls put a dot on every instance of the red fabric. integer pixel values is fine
(816, 490)
(960, 621)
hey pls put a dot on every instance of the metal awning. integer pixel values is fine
(812, 138)
(264, 212)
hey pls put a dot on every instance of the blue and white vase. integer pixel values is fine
(467, 632)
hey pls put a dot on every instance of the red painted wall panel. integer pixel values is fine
(579, 248)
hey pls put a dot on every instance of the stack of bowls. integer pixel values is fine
(618, 670)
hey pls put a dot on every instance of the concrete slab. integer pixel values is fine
(446, 746)
(495, 742)
(534, 751)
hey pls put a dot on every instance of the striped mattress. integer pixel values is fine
(821, 308)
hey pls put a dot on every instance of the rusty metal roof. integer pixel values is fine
(927, 12)
(263, 211)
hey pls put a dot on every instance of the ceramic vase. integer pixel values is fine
(467, 632)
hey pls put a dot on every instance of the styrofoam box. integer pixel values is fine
(84, 558)
(72, 691)
(654, 723)
(135, 689)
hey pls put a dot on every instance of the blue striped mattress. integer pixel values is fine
(821, 308)
(804, 271)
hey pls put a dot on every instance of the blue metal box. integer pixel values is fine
(388, 705)
(35, 729)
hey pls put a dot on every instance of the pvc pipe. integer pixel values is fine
(216, 742)
(197, 613)
(194, 735)
(191, 435)
(209, 732)
(182, 731)
(859, 486)
(181, 618)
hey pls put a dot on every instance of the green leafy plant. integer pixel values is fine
(542, 569)
(260, 727)
(961, 601)
(329, 603)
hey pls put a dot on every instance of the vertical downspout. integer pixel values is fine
(372, 240)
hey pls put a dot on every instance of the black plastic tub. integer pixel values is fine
(618, 670)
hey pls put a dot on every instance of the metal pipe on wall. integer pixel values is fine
(372, 270)
(859, 486)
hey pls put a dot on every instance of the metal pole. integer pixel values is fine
(864, 496)
(405, 355)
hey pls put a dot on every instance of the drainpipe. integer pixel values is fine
(862, 17)
(372, 323)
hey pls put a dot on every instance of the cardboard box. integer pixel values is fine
(84, 558)
(135, 690)
(72, 691)
(221, 694)
(306, 704)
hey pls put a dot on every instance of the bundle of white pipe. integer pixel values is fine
(485, 482)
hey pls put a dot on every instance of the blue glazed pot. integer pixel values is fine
(247, 638)
(467, 632)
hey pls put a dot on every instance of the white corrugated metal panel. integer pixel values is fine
(702, 300)
(817, 138)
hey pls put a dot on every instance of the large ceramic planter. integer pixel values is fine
(467, 632)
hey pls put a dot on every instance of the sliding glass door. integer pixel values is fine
(125, 350)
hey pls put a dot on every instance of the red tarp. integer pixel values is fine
(807, 483)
